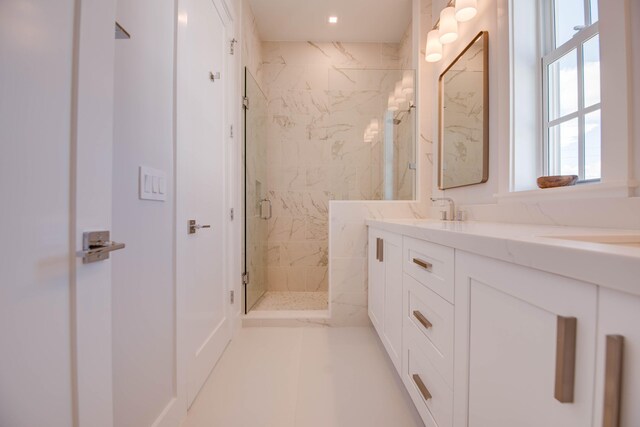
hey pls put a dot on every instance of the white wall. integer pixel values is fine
(635, 46)
(570, 208)
(36, 47)
(144, 290)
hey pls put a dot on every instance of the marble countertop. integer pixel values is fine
(536, 246)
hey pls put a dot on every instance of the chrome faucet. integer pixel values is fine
(449, 215)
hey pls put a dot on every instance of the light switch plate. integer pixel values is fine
(152, 184)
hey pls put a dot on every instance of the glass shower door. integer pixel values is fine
(257, 204)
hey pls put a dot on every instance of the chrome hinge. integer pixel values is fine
(231, 131)
(245, 278)
(232, 46)
(214, 76)
(412, 166)
(232, 214)
(245, 103)
(232, 296)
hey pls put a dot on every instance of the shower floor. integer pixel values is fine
(278, 301)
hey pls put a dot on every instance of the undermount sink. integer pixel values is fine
(628, 240)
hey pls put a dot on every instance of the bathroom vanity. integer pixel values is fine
(507, 325)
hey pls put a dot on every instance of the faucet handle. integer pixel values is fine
(443, 215)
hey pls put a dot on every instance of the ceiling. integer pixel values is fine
(306, 20)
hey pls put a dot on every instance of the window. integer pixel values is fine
(571, 89)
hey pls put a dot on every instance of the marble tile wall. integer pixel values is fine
(348, 232)
(321, 98)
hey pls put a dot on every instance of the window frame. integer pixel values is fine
(550, 54)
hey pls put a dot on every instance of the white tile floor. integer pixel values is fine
(303, 377)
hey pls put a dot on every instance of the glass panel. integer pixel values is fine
(371, 131)
(569, 18)
(592, 135)
(563, 86)
(591, 52)
(564, 148)
(255, 191)
(594, 11)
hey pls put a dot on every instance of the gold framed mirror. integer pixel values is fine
(463, 155)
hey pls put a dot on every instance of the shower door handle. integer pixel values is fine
(262, 215)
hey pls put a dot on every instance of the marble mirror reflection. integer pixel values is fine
(464, 117)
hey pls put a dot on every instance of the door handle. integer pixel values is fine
(613, 381)
(380, 249)
(565, 358)
(97, 245)
(192, 227)
(262, 216)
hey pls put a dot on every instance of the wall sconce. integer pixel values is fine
(434, 47)
(448, 25)
(407, 84)
(392, 105)
(466, 10)
(446, 28)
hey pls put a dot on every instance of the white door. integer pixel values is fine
(200, 180)
(55, 183)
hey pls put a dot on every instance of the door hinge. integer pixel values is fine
(231, 131)
(232, 214)
(245, 103)
(245, 278)
(412, 166)
(232, 46)
(232, 296)
(214, 76)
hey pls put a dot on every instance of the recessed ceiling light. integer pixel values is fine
(333, 20)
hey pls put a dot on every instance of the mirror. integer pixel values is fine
(464, 117)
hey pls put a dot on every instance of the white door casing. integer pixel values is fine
(201, 171)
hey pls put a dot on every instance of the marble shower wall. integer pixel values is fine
(348, 229)
(321, 98)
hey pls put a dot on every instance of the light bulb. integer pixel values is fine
(448, 25)
(466, 10)
(434, 47)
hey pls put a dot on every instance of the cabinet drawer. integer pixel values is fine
(431, 394)
(430, 264)
(431, 317)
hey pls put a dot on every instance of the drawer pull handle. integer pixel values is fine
(613, 381)
(423, 388)
(565, 358)
(424, 264)
(425, 322)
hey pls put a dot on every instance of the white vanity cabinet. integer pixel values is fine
(385, 290)
(618, 367)
(525, 346)
(481, 341)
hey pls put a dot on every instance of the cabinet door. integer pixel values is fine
(513, 334)
(392, 335)
(618, 365)
(376, 280)
(385, 290)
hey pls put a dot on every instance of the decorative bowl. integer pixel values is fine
(557, 181)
